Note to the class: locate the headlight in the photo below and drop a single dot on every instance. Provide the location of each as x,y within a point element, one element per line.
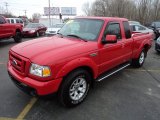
<point>32,31</point>
<point>41,71</point>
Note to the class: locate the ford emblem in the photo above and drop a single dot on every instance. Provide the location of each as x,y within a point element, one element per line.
<point>14,62</point>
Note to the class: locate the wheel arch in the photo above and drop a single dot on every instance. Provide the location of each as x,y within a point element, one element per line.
<point>146,48</point>
<point>18,30</point>
<point>80,63</point>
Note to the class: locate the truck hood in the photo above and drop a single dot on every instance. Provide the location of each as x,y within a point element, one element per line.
<point>49,49</point>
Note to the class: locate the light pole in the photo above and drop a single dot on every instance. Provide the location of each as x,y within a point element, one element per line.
<point>6,4</point>
<point>25,12</point>
<point>49,13</point>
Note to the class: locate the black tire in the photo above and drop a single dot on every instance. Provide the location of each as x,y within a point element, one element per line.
<point>70,87</point>
<point>140,60</point>
<point>18,37</point>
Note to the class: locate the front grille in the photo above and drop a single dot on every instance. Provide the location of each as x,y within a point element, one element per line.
<point>17,62</point>
<point>52,31</point>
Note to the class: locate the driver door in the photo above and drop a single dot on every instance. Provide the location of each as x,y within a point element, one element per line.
<point>111,54</point>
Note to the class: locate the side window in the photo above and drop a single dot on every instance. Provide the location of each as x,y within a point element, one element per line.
<point>138,28</point>
<point>127,29</point>
<point>113,29</point>
<point>12,21</point>
<point>21,21</point>
<point>141,28</point>
<point>2,21</point>
<point>8,21</point>
<point>17,21</point>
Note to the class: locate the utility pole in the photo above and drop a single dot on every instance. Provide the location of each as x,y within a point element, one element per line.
<point>49,13</point>
<point>25,12</point>
<point>6,4</point>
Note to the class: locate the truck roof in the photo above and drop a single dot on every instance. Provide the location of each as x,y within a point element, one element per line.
<point>106,18</point>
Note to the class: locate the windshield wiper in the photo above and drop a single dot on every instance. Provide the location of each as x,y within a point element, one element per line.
<point>72,35</point>
<point>60,34</point>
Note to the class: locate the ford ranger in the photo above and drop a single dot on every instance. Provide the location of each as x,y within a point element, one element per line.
<point>8,30</point>
<point>86,49</point>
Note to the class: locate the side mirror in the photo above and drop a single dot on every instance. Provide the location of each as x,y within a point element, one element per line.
<point>110,39</point>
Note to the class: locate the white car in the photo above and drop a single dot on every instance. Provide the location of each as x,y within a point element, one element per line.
<point>141,29</point>
<point>15,20</point>
<point>54,29</point>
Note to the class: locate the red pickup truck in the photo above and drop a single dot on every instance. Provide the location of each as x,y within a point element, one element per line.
<point>84,51</point>
<point>8,30</point>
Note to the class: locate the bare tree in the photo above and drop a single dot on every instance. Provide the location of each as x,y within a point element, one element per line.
<point>2,10</point>
<point>98,8</point>
<point>156,9</point>
<point>36,15</point>
<point>86,8</point>
<point>144,11</point>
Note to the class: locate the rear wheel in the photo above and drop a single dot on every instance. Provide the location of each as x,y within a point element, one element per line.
<point>140,60</point>
<point>18,37</point>
<point>75,88</point>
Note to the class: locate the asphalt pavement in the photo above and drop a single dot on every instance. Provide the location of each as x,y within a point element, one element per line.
<point>131,94</point>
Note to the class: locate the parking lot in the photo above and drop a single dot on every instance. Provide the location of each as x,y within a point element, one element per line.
<point>132,94</point>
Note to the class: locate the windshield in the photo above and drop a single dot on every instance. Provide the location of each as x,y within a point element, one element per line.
<point>32,26</point>
<point>87,29</point>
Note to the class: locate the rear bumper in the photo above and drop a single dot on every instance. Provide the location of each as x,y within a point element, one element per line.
<point>32,86</point>
<point>50,34</point>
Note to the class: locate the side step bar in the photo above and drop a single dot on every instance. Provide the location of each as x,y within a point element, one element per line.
<point>111,72</point>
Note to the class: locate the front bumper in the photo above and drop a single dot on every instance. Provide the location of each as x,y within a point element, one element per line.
<point>29,34</point>
<point>32,86</point>
<point>157,46</point>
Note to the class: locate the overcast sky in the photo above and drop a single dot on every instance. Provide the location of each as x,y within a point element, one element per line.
<point>17,7</point>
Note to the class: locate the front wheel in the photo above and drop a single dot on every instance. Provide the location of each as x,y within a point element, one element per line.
<point>18,37</point>
<point>140,60</point>
<point>75,88</point>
